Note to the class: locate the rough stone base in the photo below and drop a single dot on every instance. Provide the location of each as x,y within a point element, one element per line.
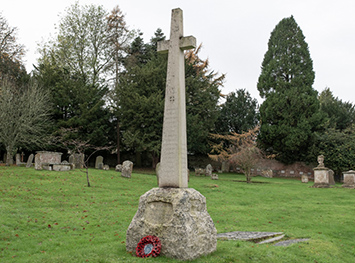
<point>179,218</point>
<point>320,185</point>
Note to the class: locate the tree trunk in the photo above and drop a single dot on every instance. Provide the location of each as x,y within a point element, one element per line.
<point>118,143</point>
<point>9,156</point>
<point>248,177</point>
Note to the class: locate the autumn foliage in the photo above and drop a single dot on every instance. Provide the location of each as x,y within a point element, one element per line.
<point>237,149</point>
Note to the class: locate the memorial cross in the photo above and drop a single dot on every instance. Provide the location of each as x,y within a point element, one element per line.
<point>173,164</point>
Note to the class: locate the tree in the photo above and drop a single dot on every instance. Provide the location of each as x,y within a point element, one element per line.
<point>338,148</point>
<point>66,138</point>
<point>24,116</point>
<point>78,67</point>
<point>140,99</point>
<point>290,113</point>
<point>119,39</point>
<point>238,149</point>
<point>11,54</point>
<point>83,42</point>
<point>142,92</point>
<point>339,114</point>
<point>202,95</point>
<point>238,113</point>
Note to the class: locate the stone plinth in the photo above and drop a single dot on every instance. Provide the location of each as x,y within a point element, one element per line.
<point>178,217</point>
<point>349,179</point>
<point>321,177</point>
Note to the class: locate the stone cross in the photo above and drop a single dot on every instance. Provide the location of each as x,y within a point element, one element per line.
<point>173,164</point>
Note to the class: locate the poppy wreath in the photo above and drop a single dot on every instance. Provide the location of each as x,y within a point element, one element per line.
<point>148,246</point>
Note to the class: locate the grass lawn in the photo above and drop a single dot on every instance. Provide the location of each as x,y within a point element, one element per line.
<point>49,216</point>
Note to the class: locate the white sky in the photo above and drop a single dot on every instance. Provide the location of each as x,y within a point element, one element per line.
<point>234,33</point>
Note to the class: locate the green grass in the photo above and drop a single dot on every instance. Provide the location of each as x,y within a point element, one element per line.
<point>54,217</point>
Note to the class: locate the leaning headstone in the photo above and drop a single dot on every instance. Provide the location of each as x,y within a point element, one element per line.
<point>209,170</point>
<point>173,212</point>
<point>99,163</point>
<point>118,168</point>
<point>349,179</point>
<point>29,161</point>
<point>321,174</point>
<point>127,167</point>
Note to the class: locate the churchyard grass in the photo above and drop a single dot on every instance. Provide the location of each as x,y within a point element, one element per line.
<point>49,216</point>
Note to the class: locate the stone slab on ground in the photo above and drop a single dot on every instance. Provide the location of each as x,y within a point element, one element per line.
<point>247,236</point>
<point>286,243</point>
<point>271,240</point>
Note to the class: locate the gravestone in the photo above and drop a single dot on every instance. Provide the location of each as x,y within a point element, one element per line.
<point>321,174</point>
<point>77,159</point>
<point>349,179</point>
<point>304,177</point>
<point>199,171</point>
<point>127,167</point>
<point>174,213</point>
<point>99,163</point>
<point>29,161</point>
<point>214,176</point>
<point>225,167</point>
<point>106,167</point>
<point>209,170</point>
<point>18,159</point>
<point>118,168</point>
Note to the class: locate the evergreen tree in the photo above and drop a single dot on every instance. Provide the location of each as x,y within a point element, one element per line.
<point>340,115</point>
<point>141,103</point>
<point>238,113</point>
<point>290,112</point>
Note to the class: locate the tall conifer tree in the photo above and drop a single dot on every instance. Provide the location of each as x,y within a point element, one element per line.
<point>290,112</point>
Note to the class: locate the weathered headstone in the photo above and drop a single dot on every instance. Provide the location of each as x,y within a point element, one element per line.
<point>127,167</point>
<point>29,161</point>
<point>18,159</point>
<point>214,176</point>
<point>209,170</point>
<point>118,168</point>
<point>349,179</point>
<point>304,177</point>
<point>106,167</point>
<point>225,167</point>
<point>78,159</point>
<point>174,213</point>
<point>99,163</point>
<point>267,173</point>
<point>199,171</point>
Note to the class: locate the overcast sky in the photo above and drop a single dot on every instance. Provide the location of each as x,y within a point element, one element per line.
<point>234,33</point>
